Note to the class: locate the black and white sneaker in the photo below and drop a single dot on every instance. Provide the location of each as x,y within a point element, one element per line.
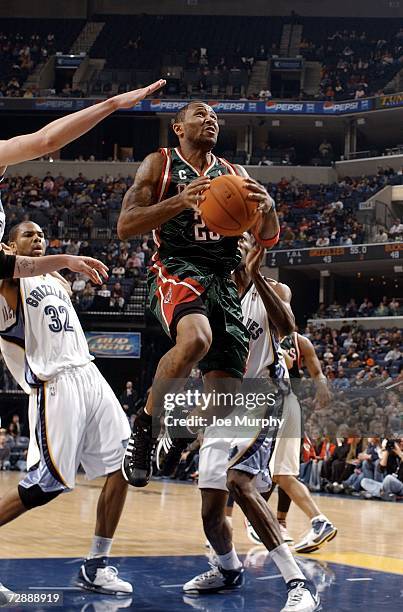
<point>6,596</point>
<point>216,580</point>
<point>302,597</point>
<point>137,460</point>
<point>96,575</point>
<point>322,531</point>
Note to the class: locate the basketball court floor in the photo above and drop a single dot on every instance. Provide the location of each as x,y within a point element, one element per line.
<point>159,545</point>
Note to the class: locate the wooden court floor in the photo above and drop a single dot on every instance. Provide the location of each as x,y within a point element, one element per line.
<point>164,519</point>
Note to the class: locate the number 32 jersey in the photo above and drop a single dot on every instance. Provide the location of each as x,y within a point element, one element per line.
<point>47,327</point>
<point>186,236</point>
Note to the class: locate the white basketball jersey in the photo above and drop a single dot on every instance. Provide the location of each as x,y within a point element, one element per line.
<point>264,349</point>
<point>54,338</point>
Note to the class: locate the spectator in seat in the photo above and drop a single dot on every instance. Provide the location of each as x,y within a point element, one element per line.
<point>87,298</point>
<point>322,241</point>
<point>391,467</point>
<point>73,247</point>
<point>369,460</point>
<point>396,230</point>
<point>5,451</point>
<point>325,148</point>
<point>351,308</point>
<point>394,306</point>
<point>102,298</point>
<point>14,428</point>
<point>128,399</point>
<point>341,383</point>
<point>383,309</point>
<point>333,467</point>
<point>393,355</point>
<point>117,300</point>
<point>118,271</point>
<point>381,236</point>
<point>78,286</point>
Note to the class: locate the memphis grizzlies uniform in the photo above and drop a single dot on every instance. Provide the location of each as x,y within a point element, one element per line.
<point>73,413</point>
<point>286,456</point>
<point>191,270</point>
<point>248,454</point>
<point>264,349</point>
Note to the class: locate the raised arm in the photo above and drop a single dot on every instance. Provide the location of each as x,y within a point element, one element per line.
<point>18,266</point>
<point>267,230</point>
<point>66,129</point>
<point>315,371</point>
<point>276,297</point>
<point>141,211</point>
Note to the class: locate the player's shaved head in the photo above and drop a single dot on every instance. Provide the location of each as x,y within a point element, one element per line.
<point>197,124</point>
<point>181,114</point>
<point>20,227</point>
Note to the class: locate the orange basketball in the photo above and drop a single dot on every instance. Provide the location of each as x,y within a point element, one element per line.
<point>226,209</point>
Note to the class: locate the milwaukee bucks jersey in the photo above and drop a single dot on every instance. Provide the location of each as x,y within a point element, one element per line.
<point>186,236</point>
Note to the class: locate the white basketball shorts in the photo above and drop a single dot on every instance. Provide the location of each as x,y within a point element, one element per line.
<point>75,418</point>
<point>285,460</point>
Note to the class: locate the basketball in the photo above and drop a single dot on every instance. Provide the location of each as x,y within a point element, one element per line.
<point>226,209</point>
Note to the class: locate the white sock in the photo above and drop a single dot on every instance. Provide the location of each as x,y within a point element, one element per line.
<point>230,561</point>
<point>320,517</point>
<point>286,563</point>
<point>229,519</point>
<point>101,547</point>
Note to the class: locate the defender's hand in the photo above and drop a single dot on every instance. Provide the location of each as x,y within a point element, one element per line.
<point>93,268</point>
<point>130,98</point>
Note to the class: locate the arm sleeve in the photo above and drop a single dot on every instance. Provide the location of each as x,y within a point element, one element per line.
<point>7,265</point>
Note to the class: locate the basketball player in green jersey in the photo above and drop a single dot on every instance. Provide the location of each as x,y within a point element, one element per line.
<point>191,291</point>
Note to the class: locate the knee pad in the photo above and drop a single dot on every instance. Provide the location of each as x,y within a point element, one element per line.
<point>32,497</point>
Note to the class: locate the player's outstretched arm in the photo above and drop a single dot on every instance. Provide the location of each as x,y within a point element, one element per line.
<point>141,211</point>
<point>267,230</point>
<point>18,266</point>
<point>314,368</point>
<point>66,129</point>
<point>276,297</point>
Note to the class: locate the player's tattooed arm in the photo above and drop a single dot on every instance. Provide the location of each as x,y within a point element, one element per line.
<point>35,266</point>
<point>141,211</point>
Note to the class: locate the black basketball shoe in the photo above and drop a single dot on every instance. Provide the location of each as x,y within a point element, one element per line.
<point>137,460</point>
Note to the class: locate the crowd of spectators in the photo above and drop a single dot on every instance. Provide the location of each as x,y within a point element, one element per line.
<point>80,215</point>
<point>362,467</point>
<point>354,63</point>
<point>325,215</point>
<point>387,307</point>
<point>19,54</point>
<point>13,446</point>
<point>355,357</point>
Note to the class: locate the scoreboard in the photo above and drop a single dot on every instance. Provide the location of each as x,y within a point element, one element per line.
<point>335,254</point>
